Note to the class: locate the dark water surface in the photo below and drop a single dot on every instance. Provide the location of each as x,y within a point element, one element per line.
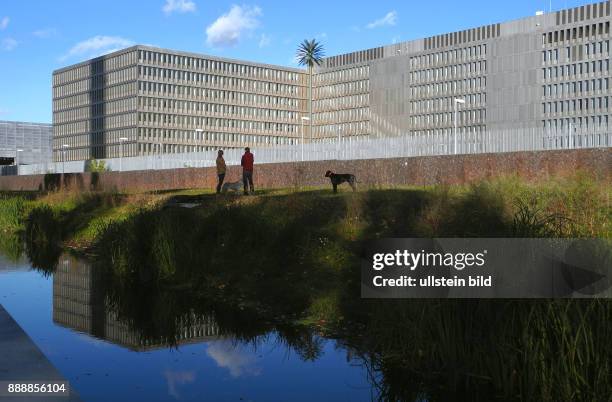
<point>106,359</point>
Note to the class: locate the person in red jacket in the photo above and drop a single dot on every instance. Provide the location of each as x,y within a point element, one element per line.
<point>247,170</point>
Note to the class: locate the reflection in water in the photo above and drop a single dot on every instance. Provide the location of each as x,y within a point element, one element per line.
<point>247,369</point>
<point>149,320</point>
<point>418,350</point>
<point>234,357</point>
<point>18,263</point>
<point>88,298</point>
<point>176,378</point>
<point>81,303</point>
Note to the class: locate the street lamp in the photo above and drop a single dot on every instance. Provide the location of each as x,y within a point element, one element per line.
<point>17,159</point>
<point>457,101</point>
<point>64,147</point>
<point>160,148</point>
<point>304,118</point>
<point>121,141</point>
<point>197,131</point>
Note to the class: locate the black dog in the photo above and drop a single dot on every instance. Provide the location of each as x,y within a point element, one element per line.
<point>337,179</point>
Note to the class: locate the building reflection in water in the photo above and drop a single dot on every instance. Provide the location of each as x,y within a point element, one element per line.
<point>20,264</point>
<point>80,304</point>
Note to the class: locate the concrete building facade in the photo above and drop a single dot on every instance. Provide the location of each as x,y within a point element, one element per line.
<point>548,71</point>
<point>25,143</point>
<point>145,100</point>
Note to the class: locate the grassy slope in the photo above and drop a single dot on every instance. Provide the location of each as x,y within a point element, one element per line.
<point>483,209</point>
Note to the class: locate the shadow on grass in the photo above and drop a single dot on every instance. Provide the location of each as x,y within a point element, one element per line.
<point>48,225</point>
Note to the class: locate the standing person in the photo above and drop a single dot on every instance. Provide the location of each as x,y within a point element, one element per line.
<point>221,169</point>
<point>247,170</point>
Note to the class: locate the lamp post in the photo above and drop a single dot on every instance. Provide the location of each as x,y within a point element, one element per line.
<point>17,159</point>
<point>196,132</point>
<point>121,141</point>
<point>304,118</point>
<point>161,153</point>
<point>64,146</point>
<point>456,102</point>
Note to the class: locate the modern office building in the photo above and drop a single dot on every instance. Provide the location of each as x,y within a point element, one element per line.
<point>25,143</point>
<point>144,100</point>
<point>548,71</point>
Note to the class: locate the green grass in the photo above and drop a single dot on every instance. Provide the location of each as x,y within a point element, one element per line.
<point>508,206</point>
<point>13,211</point>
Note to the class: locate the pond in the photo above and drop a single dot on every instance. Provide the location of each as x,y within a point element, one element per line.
<point>110,357</point>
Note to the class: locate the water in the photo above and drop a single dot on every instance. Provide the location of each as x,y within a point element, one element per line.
<point>225,330</point>
<point>106,357</point>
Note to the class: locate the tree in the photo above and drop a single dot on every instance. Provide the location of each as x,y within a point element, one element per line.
<point>310,53</point>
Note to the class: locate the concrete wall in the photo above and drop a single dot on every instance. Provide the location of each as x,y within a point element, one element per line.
<point>458,169</point>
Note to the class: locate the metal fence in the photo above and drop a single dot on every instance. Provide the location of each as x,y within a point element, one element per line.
<point>349,148</point>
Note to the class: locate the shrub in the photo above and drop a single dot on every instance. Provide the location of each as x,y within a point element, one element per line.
<point>94,165</point>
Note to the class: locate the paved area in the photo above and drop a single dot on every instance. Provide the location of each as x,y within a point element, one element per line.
<point>22,361</point>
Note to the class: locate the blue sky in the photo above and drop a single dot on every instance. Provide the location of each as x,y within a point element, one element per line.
<point>38,36</point>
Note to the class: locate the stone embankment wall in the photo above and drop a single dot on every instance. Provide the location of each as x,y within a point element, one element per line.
<point>427,170</point>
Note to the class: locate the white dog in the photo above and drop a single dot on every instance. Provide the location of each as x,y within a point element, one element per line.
<point>233,186</point>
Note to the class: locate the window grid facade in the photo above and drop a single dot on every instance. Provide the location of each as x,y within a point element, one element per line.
<point>163,101</point>
<point>437,79</point>
<point>575,74</point>
<point>341,102</point>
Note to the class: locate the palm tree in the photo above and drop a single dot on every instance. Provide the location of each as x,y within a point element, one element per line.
<point>310,53</point>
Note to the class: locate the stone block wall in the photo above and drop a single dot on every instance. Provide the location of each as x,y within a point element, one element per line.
<point>427,170</point>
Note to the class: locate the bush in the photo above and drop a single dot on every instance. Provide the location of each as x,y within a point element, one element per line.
<point>98,166</point>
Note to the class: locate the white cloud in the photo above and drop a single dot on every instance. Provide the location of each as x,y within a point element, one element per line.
<point>389,19</point>
<point>181,6</point>
<point>9,44</point>
<point>237,360</point>
<point>45,33</point>
<point>4,23</point>
<point>322,35</point>
<point>176,378</point>
<point>264,40</point>
<point>230,27</point>
<point>97,46</point>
